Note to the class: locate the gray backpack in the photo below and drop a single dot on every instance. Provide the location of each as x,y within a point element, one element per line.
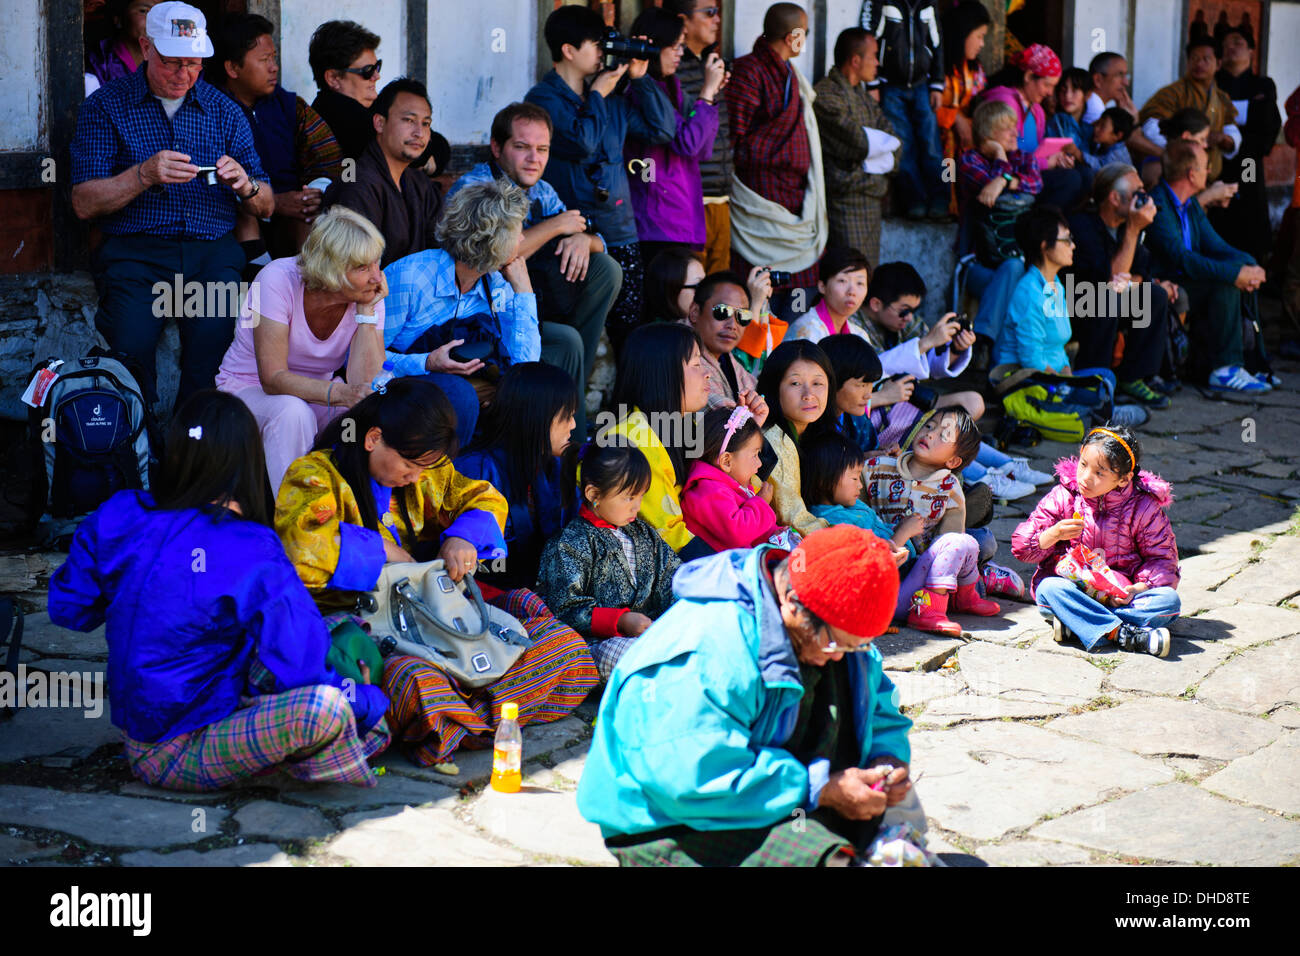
<point>92,436</point>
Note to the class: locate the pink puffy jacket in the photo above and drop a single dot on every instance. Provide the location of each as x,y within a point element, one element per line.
<point>1129,524</point>
<point>726,516</point>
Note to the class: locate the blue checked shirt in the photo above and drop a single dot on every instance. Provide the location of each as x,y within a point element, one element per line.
<point>543,201</point>
<point>122,124</point>
<point>422,293</point>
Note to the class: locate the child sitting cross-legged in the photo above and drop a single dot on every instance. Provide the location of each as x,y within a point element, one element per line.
<point>919,494</point>
<point>1105,502</point>
<point>608,574</point>
<point>718,500</point>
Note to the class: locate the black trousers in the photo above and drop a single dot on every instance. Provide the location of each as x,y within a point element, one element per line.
<point>1145,327</point>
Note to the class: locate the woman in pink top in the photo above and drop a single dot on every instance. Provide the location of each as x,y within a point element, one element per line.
<point>302,319</point>
<point>842,277</point>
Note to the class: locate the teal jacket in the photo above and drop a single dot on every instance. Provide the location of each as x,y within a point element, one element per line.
<point>861,515</point>
<point>1202,256</point>
<point>693,718</point>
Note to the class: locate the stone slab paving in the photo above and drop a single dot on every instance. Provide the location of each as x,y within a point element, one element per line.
<point>1154,825</point>
<point>392,789</point>
<point>971,707</point>
<point>37,732</point>
<point>15,848</point>
<point>1258,680</point>
<point>45,638</point>
<point>916,689</point>
<point>250,854</point>
<point>279,821</point>
<point>1028,675</point>
<point>542,821</point>
<point>1186,666</point>
<point>1034,853</point>
<point>983,780</point>
<point>1268,778</point>
<point>1161,726</point>
<point>913,650</point>
<point>1240,625</point>
<point>108,820</point>
<point>413,837</point>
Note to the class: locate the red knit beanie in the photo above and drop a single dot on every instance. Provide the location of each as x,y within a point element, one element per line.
<point>847,577</point>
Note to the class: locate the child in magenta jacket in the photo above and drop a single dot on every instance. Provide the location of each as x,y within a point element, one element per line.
<point>1106,502</point>
<point>718,500</point>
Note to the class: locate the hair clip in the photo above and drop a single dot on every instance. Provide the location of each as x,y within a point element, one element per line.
<point>739,415</point>
<point>196,431</point>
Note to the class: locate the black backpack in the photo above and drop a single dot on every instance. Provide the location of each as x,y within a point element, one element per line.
<point>91,436</point>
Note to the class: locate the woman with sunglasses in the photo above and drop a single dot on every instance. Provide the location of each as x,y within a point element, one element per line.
<point>346,69</point>
<point>1037,326</point>
<point>671,279</point>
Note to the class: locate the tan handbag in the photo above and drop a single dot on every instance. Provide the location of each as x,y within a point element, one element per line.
<point>417,609</point>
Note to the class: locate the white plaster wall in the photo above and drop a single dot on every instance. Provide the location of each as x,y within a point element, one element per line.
<point>1284,48</point>
<point>22,94</point>
<point>300,18</point>
<point>486,63</point>
<point>1157,47</point>
<point>747,24</point>
<point>1099,25</point>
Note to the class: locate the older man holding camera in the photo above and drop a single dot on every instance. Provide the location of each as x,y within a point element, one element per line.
<point>164,162</point>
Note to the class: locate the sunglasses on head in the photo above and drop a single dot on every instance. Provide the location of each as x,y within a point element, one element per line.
<point>724,313</point>
<point>368,71</point>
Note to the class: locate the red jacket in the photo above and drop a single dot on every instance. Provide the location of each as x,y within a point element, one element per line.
<point>724,514</point>
<point>1129,524</point>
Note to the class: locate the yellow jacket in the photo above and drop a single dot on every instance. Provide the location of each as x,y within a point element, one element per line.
<point>314,500</point>
<point>788,501</point>
<point>662,505</point>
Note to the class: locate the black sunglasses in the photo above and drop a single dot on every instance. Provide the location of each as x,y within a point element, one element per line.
<point>368,71</point>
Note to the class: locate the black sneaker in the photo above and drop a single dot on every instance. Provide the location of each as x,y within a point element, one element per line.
<point>1143,640</point>
<point>1060,633</point>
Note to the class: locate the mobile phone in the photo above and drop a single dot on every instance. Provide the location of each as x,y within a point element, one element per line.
<point>209,173</point>
<point>964,322</point>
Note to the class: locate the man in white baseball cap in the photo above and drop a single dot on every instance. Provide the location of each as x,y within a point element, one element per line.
<point>178,30</point>
<point>142,141</point>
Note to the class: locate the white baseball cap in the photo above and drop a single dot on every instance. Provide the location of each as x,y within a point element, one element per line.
<point>178,30</point>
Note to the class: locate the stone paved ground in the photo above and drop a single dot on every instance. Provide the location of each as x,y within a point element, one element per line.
<point>1033,753</point>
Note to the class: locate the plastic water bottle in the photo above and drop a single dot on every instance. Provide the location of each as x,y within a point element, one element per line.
<point>507,751</point>
<point>380,381</point>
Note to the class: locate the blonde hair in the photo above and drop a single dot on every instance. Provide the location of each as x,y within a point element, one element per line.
<point>478,226</point>
<point>339,241</point>
<point>989,117</point>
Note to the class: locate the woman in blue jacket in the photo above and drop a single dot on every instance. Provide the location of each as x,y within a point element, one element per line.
<point>527,427</point>
<point>216,653</point>
<point>745,731</point>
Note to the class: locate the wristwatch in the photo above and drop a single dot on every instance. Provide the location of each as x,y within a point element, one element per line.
<point>257,188</point>
<point>1008,177</point>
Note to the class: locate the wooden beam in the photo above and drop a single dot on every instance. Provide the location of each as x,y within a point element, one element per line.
<point>65,90</point>
<point>417,40</point>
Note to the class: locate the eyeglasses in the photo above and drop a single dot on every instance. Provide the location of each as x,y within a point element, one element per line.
<point>725,313</point>
<point>173,66</point>
<point>707,12</point>
<point>1067,238</point>
<point>368,71</point>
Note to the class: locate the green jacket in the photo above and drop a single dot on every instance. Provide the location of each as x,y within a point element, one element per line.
<point>691,727</point>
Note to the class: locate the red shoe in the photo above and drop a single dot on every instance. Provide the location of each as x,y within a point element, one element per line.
<point>967,600</point>
<point>929,613</point>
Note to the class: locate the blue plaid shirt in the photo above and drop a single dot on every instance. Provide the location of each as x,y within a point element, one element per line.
<point>422,293</point>
<point>122,124</point>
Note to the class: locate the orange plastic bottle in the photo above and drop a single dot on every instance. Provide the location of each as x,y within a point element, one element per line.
<point>507,751</point>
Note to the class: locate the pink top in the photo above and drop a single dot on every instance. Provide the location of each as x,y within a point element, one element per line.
<point>723,513</point>
<point>276,295</point>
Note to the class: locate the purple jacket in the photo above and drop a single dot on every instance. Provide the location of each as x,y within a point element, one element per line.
<point>1129,524</point>
<point>1011,96</point>
<point>668,197</point>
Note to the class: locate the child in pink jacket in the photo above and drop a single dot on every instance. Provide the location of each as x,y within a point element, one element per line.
<point>718,499</point>
<point>1104,501</point>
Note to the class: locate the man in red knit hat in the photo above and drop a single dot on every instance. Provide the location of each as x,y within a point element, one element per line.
<point>753,724</point>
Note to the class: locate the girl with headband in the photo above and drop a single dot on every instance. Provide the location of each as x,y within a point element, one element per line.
<point>719,501</point>
<point>1104,501</point>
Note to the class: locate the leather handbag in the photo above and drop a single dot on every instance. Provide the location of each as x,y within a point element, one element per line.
<point>417,609</point>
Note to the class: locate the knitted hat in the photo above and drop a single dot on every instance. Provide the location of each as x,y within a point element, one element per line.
<point>847,577</point>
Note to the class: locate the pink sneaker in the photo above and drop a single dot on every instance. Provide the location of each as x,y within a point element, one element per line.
<point>1000,580</point>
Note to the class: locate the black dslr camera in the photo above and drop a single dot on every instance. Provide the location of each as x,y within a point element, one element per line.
<point>779,277</point>
<point>923,397</point>
<point>619,47</point>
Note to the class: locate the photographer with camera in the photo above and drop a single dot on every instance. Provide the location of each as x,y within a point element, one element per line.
<point>1108,251</point>
<point>591,121</point>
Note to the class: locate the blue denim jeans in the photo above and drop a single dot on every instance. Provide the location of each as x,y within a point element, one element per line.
<point>920,161</point>
<point>995,297</point>
<point>1090,620</point>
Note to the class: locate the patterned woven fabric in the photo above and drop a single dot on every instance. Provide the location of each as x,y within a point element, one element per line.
<point>799,842</point>
<point>430,714</point>
<point>308,733</point>
<point>770,144</point>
